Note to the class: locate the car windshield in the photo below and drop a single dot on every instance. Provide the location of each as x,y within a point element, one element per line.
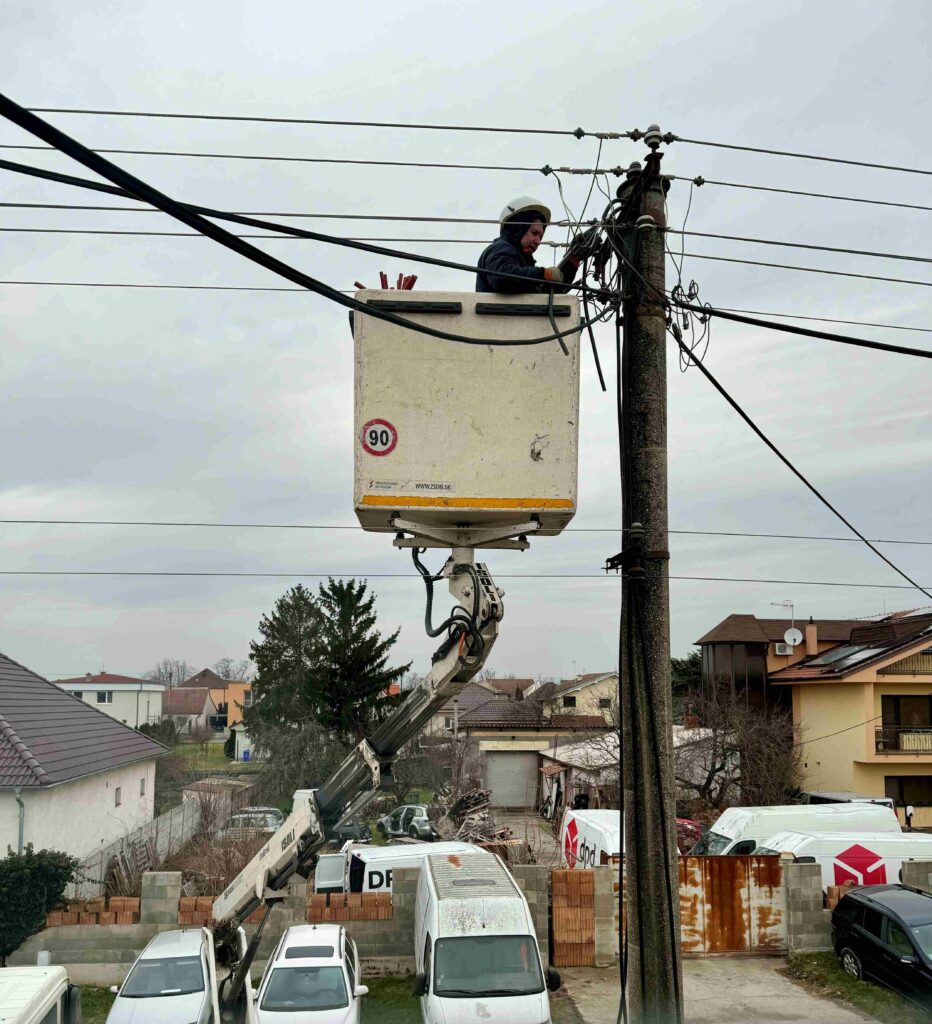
<point>711,843</point>
<point>487,965</point>
<point>922,933</point>
<point>171,976</point>
<point>305,988</point>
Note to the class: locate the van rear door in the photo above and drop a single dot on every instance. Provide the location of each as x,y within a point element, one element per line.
<point>330,873</point>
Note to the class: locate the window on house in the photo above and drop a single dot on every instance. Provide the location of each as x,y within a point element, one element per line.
<point>118,796</point>
<point>605,702</point>
<point>907,712</point>
<point>448,723</point>
<point>569,702</point>
<point>142,786</point>
<point>105,696</point>
<point>247,698</point>
<point>909,789</point>
<point>76,693</point>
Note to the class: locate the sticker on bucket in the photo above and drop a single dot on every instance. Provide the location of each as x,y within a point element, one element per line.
<point>379,437</point>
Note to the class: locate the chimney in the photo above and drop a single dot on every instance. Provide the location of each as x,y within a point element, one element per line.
<point>87,677</point>
<point>812,638</point>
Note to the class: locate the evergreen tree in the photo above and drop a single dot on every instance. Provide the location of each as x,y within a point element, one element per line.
<point>350,679</point>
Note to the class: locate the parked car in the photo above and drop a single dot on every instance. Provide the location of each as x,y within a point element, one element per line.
<point>884,932</point>
<point>37,995</point>
<point>353,832</point>
<point>248,823</point>
<point>312,978</point>
<point>409,820</point>
<point>168,982</point>
<point>273,813</point>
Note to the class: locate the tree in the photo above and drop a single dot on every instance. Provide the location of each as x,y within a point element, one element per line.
<point>686,679</point>
<point>229,746</point>
<point>350,678</point>
<point>238,671</point>
<point>30,885</point>
<point>300,756</point>
<point>737,755</point>
<point>163,730</point>
<point>170,671</point>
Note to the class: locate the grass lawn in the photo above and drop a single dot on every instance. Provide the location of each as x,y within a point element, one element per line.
<point>198,758</point>
<point>822,975</point>
<point>95,1004</point>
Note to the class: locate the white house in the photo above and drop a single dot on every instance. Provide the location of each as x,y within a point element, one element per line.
<point>71,777</point>
<point>130,701</point>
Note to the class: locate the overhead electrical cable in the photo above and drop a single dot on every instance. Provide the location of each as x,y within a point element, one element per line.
<point>871,164</point>
<point>199,524</point>
<point>579,133</point>
<point>827,319</point>
<point>141,190</point>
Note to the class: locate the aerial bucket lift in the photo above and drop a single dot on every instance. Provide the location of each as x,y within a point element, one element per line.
<point>458,445</point>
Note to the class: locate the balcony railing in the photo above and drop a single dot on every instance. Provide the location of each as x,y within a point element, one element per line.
<point>903,739</point>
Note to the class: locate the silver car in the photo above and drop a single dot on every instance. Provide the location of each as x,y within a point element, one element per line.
<point>410,820</point>
<point>168,982</point>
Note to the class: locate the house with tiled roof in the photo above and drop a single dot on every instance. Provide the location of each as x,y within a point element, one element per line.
<point>129,700</point>
<point>859,689</point>
<point>190,708</point>
<point>72,778</point>
<point>591,693</point>
<point>229,695</point>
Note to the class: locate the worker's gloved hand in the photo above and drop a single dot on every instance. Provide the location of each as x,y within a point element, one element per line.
<point>553,274</point>
<point>584,245</point>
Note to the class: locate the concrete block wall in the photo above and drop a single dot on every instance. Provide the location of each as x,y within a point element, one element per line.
<point>534,881</point>
<point>606,920</point>
<point>161,891</point>
<point>918,874</point>
<point>808,925</point>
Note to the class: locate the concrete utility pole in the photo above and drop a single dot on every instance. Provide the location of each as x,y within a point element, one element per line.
<point>654,980</point>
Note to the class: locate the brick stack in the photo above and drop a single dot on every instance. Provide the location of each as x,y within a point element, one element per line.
<point>835,893</point>
<point>195,910</point>
<point>352,906</point>
<point>121,910</point>
<point>573,918</point>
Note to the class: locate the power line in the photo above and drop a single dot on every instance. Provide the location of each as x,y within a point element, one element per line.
<point>670,137</point>
<point>843,339</point>
<point>298,159</point>
<point>700,180</point>
<point>803,245</point>
<point>200,524</point>
<point>827,320</point>
<point>407,576</point>
<point>579,133</point>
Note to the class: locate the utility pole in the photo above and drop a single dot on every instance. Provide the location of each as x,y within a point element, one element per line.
<point>653,976</point>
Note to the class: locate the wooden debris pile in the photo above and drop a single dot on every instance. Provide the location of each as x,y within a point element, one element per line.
<point>468,820</point>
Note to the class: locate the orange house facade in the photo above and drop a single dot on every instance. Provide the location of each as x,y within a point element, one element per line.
<point>230,695</point>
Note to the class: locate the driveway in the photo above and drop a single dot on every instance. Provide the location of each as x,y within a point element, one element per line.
<point>716,990</point>
<point>531,828</point>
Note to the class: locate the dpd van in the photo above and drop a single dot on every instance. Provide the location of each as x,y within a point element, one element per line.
<point>369,868</point>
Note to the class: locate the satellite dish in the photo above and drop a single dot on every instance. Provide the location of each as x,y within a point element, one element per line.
<point>793,637</point>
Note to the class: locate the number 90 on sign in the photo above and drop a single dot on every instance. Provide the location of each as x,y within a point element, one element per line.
<point>379,437</point>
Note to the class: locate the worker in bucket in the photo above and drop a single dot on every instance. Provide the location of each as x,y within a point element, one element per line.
<point>508,264</point>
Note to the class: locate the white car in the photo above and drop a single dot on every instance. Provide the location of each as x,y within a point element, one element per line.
<point>311,978</point>
<point>168,982</point>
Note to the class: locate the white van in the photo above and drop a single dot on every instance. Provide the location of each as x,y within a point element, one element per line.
<point>36,995</point>
<point>369,868</point>
<point>475,951</point>
<point>866,858</point>
<point>739,829</point>
<point>590,838</point>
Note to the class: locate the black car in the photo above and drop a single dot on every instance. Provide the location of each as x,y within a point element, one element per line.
<point>354,831</point>
<point>884,932</point>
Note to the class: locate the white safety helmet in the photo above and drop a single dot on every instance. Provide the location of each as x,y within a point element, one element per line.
<point>522,205</point>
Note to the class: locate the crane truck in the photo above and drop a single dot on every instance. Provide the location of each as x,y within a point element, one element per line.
<point>436,473</point>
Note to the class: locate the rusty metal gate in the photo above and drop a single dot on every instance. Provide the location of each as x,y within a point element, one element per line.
<point>732,905</point>
<point>573,918</point>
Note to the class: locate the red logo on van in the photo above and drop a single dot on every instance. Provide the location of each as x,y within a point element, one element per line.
<point>860,865</point>
<point>571,843</point>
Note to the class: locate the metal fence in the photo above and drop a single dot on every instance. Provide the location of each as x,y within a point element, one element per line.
<point>168,832</point>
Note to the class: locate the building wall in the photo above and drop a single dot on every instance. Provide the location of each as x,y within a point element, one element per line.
<point>824,710</point>
<point>81,816</point>
<point>235,698</point>
<point>587,698</point>
<point>131,706</point>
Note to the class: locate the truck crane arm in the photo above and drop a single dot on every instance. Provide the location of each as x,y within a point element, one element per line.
<point>472,630</point>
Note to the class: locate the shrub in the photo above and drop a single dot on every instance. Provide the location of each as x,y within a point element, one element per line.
<point>229,747</point>
<point>31,884</point>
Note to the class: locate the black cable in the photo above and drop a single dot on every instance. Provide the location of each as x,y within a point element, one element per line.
<point>828,320</point>
<point>34,125</point>
<point>578,132</point>
<point>357,527</point>
<point>342,161</point>
<point>700,180</point>
<point>799,156</point>
<point>805,332</point>
<point>553,322</point>
<point>588,319</point>
<point>206,211</point>
<point>789,465</point>
<point>802,245</point>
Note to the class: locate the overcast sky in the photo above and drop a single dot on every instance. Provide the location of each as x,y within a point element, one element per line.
<point>237,406</point>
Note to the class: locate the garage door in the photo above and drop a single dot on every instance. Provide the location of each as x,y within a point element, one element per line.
<point>512,777</point>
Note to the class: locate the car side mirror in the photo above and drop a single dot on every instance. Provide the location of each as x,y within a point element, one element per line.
<point>908,960</point>
<point>361,990</point>
<point>420,985</point>
<point>114,989</point>
<point>554,981</point>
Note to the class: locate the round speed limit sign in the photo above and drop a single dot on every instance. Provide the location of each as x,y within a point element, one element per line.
<point>379,437</point>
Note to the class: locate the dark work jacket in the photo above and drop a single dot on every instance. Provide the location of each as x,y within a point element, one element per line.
<point>501,258</point>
